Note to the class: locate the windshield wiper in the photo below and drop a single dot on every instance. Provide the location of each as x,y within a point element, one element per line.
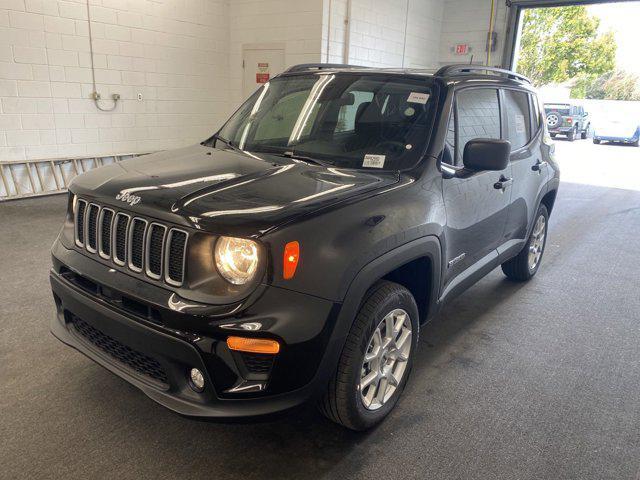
<point>228,143</point>
<point>302,158</point>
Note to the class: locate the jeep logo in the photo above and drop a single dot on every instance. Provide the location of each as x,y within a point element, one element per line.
<point>127,197</point>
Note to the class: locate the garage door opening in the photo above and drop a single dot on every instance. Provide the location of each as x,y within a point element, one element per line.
<point>583,59</point>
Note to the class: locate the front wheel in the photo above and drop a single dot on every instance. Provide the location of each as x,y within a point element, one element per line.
<point>596,141</point>
<point>525,265</point>
<point>376,359</point>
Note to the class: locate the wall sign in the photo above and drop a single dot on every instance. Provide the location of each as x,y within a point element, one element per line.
<point>262,75</point>
<point>462,49</point>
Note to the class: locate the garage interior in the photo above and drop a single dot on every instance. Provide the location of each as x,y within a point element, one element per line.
<point>537,380</point>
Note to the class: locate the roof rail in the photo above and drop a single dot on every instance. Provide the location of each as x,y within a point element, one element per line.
<point>464,68</point>
<point>319,66</point>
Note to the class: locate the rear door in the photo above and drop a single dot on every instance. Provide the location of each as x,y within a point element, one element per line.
<point>524,129</point>
<point>476,210</point>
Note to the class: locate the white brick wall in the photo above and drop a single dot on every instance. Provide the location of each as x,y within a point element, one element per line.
<point>174,52</point>
<point>378,32</point>
<point>295,23</point>
<point>185,58</point>
<point>467,22</point>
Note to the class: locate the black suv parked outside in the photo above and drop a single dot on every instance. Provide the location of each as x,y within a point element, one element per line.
<point>296,253</point>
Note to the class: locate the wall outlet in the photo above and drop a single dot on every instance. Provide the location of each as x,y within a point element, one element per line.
<point>139,96</point>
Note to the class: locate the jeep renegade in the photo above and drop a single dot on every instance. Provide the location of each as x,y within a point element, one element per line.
<point>296,253</point>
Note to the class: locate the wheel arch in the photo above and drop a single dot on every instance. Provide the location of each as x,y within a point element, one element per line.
<point>549,199</point>
<point>415,265</point>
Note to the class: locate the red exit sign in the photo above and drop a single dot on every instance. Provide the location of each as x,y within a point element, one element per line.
<point>462,49</point>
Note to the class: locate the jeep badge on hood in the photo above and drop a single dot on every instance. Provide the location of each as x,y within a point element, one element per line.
<point>127,197</point>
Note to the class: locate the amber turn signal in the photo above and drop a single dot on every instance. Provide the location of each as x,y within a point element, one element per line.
<point>253,345</point>
<point>290,259</point>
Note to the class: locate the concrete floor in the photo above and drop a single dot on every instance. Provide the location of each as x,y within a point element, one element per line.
<point>512,381</point>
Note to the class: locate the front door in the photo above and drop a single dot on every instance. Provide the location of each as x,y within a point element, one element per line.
<point>260,65</point>
<point>476,210</point>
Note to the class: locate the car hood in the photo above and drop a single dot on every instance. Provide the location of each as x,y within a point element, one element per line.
<point>224,191</point>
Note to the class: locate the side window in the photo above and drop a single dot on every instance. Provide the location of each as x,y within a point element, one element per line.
<point>535,114</point>
<point>516,105</point>
<point>478,116</point>
<point>347,113</point>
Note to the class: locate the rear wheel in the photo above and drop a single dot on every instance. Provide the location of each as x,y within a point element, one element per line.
<point>525,265</point>
<point>553,135</point>
<point>585,132</point>
<point>376,359</point>
<point>596,141</point>
<point>571,136</point>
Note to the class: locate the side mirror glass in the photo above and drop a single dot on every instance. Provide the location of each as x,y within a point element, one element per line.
<point>486,154</point>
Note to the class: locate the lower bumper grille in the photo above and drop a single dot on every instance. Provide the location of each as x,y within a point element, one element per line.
<point>131,358</point>
<point>257,362</point>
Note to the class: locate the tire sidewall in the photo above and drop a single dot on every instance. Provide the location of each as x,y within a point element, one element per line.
<point>364,416</point>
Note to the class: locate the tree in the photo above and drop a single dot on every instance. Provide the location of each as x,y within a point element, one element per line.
<point>558,44</point>
<point>610,86</point>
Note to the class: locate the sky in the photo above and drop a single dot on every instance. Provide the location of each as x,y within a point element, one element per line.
<point>624,20</point>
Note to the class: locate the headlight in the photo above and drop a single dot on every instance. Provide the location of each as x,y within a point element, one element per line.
<point>236,259</point>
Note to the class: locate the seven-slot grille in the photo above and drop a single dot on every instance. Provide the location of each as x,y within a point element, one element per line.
<point>131,241</point>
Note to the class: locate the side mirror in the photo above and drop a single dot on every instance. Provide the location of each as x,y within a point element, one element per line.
<point>486,154</point>
<point>585,114</point>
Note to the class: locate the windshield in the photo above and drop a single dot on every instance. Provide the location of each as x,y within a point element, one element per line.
<point>349,120</point>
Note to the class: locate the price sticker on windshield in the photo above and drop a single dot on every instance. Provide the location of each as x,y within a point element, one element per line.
<point>417,97</point>
<point>373,161</point>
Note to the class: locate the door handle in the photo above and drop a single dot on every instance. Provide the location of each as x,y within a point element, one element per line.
<point>503,183</point>
<point>538,166</point>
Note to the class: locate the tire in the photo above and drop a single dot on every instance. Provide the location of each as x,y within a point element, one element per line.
<point>585,133</point>
<point>553,119</point>
<point>553,135</point>
<point>636,143</point>
<point>520,268</point>
<point>343,402</point>
<point>571,136</point>
<point>596,141</point>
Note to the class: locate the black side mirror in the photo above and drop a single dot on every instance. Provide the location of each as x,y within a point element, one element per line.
<point>486,154</point>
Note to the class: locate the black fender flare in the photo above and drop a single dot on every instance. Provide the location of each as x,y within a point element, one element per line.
<point>428,246</point>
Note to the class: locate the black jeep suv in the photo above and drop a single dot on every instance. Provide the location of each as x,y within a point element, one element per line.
<point>296,253</point>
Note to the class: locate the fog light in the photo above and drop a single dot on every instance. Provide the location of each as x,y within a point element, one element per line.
<point>197,380</point>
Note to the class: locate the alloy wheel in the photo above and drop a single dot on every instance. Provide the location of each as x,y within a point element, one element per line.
<point>537,242</point>
<point>385,360</point>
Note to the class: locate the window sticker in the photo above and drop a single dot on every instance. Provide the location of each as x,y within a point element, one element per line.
<point>520,127</point>
<point>416,97</point>
<point>373,161</point>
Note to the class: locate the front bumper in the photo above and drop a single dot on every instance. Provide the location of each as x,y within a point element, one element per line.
<point>149,351</point>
